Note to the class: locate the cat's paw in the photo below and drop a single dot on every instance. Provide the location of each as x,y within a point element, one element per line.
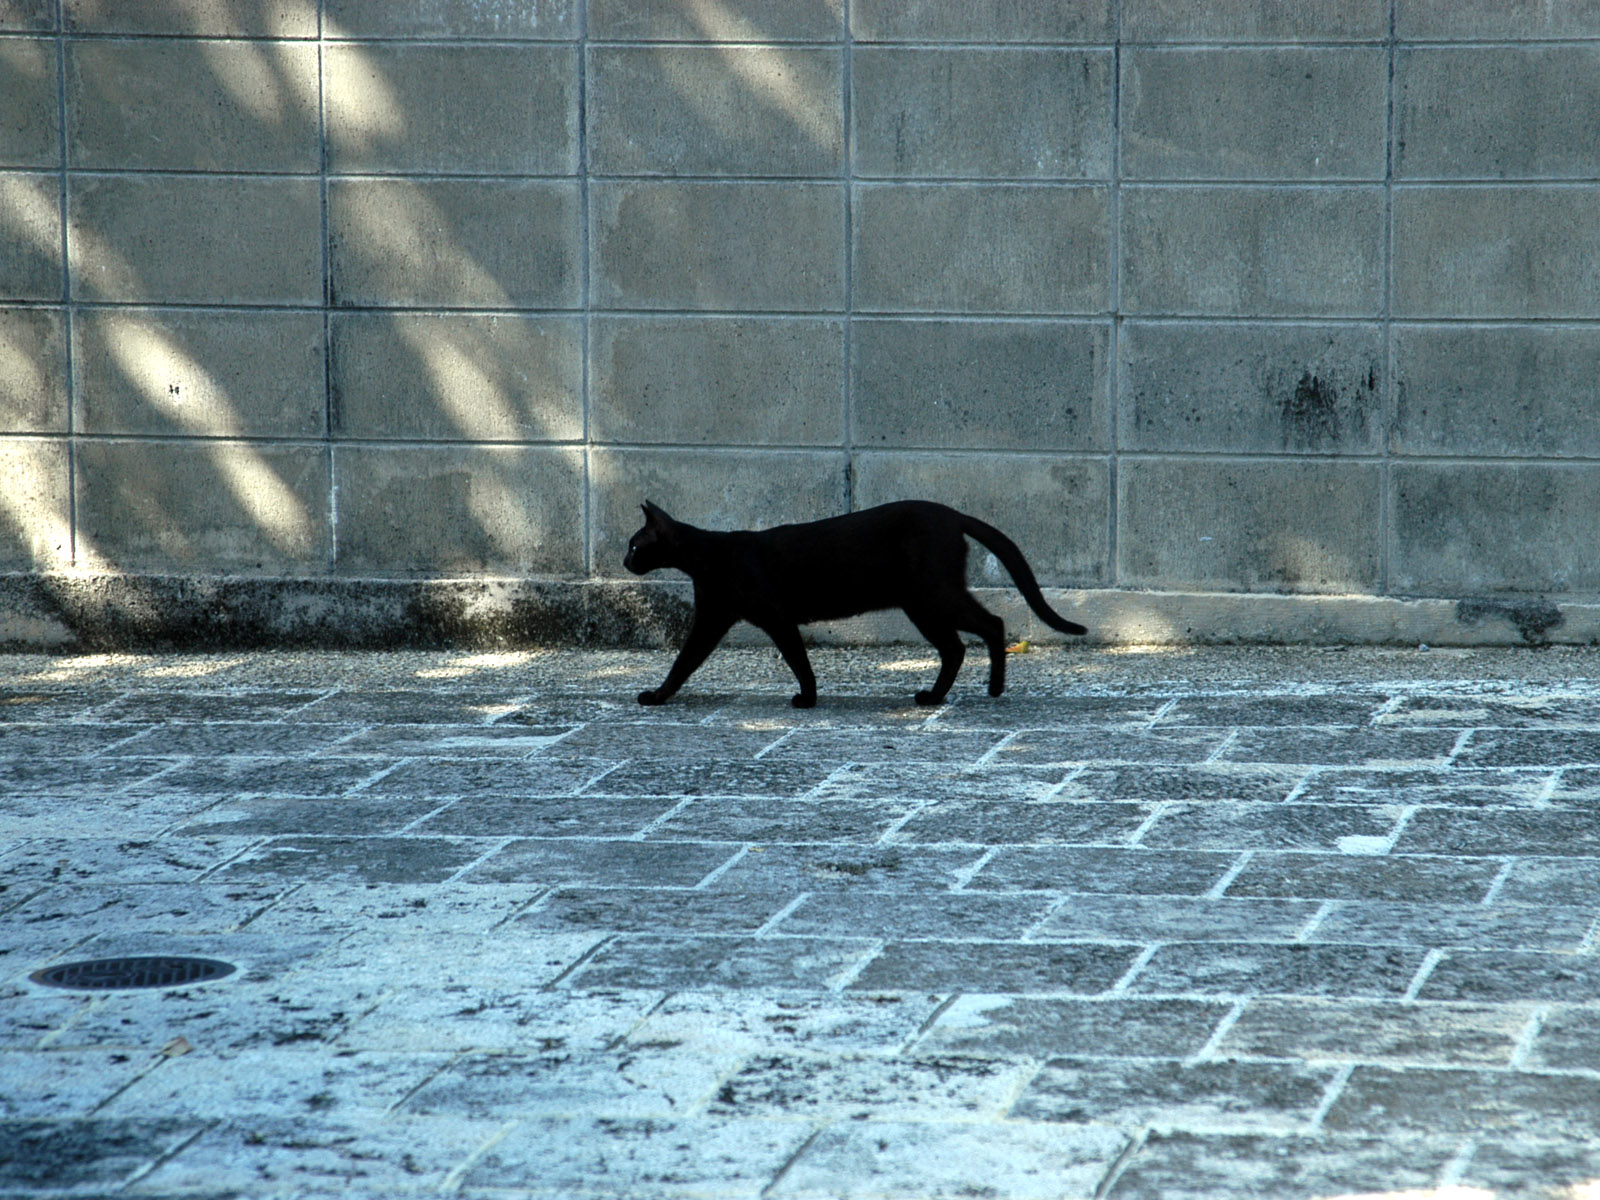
<point>654,696</point>
<point>928,699</point>
<point>804,700</point>
<point>996,689</point>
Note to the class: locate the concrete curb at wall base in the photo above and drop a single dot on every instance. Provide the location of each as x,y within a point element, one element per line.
<point>97,612</point>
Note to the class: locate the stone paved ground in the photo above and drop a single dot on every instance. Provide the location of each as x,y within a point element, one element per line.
<point>1221,924</point>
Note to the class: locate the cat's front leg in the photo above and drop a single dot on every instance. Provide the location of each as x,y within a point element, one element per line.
<point>704,635</point>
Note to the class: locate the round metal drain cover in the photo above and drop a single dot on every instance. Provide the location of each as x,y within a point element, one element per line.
<point>152,971</point>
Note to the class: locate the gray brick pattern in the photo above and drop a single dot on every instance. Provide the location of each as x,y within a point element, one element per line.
<point>500,932</point>
<point>1263,297</point>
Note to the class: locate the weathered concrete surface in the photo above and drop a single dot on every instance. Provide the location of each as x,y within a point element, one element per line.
<point>79,612</point>
<point>1282,923</point>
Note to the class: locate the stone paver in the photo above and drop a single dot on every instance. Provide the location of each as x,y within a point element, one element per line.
<point>1247,923</point>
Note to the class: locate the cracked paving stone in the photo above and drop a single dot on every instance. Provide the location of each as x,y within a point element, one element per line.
<point>842,1086</point>
<point>303,1155</point>
<point>485,1016</point>
<point>635,1080</point>
<point>850,866</point>
<point>368,859</point>
<point>919,915</point>
<point>605,863</point>
<point>68,1083</point>
<point>743,819</point>
<point>277,1082</point>
<point>637,1157</point>
<point>1447,925</point>
<point>101,860</point>
<point>648,910</point>
<point>1025,822</point>
<point>1245,969</point>
<point>1435,1100</point>
<point>1573,832</point>
<point>1105,869</point>
<point>1514,976</point>
<point>677,963</point>
<point>1365,877</point>
<point>1399,1032</point>
<point>716,777</point>
<point>1201,781</point>
<point>1188,1166</point>
<point>1207,1097</point>
<point>542,816</point>
<point>1342,746</point>
<point>1043,1027</point>
<point>785,1022</point>
<point>927,1160</point>
<point>1058,967</point>
<point>1252,826</point>
<point>86,1154</point>
<point>922,781</point>
<point>1174,918</point>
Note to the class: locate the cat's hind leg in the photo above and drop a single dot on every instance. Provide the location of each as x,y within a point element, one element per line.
<point>947,641</point>
<point>977,619</point>
<point>704,635</point>
<point>786,636</point>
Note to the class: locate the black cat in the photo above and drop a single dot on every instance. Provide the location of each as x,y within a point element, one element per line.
<point>911,555</point>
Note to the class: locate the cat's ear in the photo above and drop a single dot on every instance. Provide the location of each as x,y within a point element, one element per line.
<point>654,515</point>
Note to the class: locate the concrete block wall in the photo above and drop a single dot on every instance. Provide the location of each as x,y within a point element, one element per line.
<point>1232,299</point>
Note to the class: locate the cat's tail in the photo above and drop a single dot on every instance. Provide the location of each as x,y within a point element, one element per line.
<point>1007,552</point>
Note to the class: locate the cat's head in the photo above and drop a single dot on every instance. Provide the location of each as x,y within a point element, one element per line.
<point>655,545</point>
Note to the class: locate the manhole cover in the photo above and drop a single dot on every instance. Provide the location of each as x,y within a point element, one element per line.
<point>152,971</point>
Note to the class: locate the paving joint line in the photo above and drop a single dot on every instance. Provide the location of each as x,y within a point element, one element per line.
<point>1498,882</point>
<point>1217,889</point>
<point>498,845</point>
<point>1424,969</point>
<point>718,872</point>
<point>1214,1042</point>
<point>1331,1094</point>
<point>1529,1035</point>
<point>1140,961</point>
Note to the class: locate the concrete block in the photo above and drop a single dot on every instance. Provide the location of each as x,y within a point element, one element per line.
<point>498,510</point>
<point>213,374</point>
<point>454,243</point>
<point>35,513</point>
<point>30,237</point>
<point>172,104</point>
<point>714,489</point>
<point>33,370</point>
<point>730,21</point>
<point>1019,385</point>
<point>1248,524</point>
<point>507,20</point>
<point>715,110</point>
<point>717,380</point>
<point>774,246</point>
<point>1494,20</point>
<point>1227,251</point>
<point>1019,114</point>
<point>982,21</point>
<point>1054,507</point>
<point>1255,20</point>
<point>457,376</point>
<point>982,249</point>
<point>30,128</point>
<point>1466,529</point>
<point>1496,113</point>
<point>1312,113</point>
<point>202,507</point>
<point>1497,252</point>
<point>27,16</point>
<point>489,110</point>
<point>1497,390</point>
<point>196,239</point>
<point>1251,389</point>
<point>213,18</point>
